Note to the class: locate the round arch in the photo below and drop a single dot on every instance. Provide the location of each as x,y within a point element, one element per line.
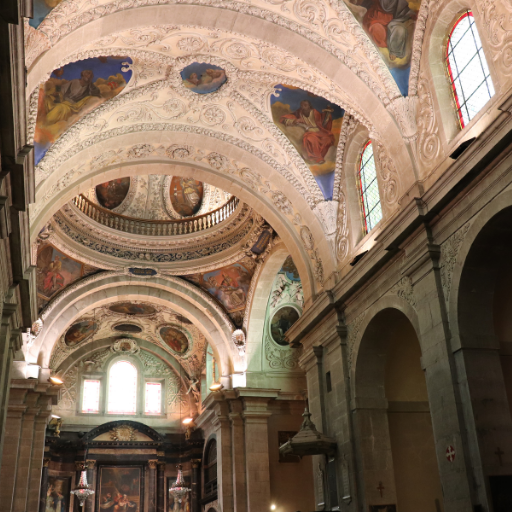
<point>260,189</point>
<point>362,91</point>
<point>102,289</point>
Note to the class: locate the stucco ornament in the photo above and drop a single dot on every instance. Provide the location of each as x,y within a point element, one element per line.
<point>123,433</point>
<point>429,144</point>
<point>390,180</point>
<point>238,338</point>
<point>125,346</point>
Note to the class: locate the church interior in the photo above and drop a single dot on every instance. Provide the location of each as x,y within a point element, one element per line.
<point>255,256</point>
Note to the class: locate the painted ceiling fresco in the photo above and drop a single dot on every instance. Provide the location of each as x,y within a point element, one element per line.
<point>174,338</point>
<point>71,92</point>
<point>112,193</point>
<point>80,332</point>
<point>186,196</point>
<point>229,285</point>
<point>133,309</point>
<point>55,271</point>
<point>390,25</point>
<point>203,78</point>
<point>313,125</point>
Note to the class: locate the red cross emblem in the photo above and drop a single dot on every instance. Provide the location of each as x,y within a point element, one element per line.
<point>450,453</point>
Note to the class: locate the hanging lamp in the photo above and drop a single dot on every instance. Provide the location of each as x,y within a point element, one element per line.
<point>178,489</point>
<point>83,491</point>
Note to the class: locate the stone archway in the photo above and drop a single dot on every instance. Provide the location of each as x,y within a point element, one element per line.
<point>395,450</point>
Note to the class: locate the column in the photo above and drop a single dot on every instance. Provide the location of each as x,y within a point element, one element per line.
<point>440,374</point>
<point>90,466</point>
<point>36,465</point>
<point>256,449</point>
<point>44,485</point>
<point>152,485</point>
<point>195,504</point>
<point>13,424</point>
<point>25,454</point>
<point>160,495</point>
<point>238,437</point>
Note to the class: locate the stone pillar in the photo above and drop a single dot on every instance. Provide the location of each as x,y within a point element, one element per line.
<point>34,485</point>
<point>25,455</point>
<point>90,466</point>
<point>195,503</point>
<point>44,485</point>
<point>440,373</point>
<point>239,462</point>
<point>160,495</point>
<point>222,429</point>
<point>13,426</point>
<point>256,452</point>
<point>152,485</point>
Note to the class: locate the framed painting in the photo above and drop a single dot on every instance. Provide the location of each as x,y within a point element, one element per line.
<point>58,494</point>
<point>174,505</point>
<point>120,489</point>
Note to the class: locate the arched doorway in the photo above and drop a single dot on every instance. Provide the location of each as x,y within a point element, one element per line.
<point>395,450</point>
<point>483,336</point>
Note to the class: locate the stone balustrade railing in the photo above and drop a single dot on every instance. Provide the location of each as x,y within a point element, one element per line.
<point>137,226</point>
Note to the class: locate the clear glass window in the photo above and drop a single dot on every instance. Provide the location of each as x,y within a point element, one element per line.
<point>467,69</point>
<point>153,402</point>
<point>122,390</point>
<point>369,189</point>
<point>91,396</point>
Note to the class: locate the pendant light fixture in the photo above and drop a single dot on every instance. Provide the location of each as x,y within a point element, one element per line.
<point>83,491</point>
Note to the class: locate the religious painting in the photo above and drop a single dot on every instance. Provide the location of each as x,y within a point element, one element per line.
<point>58,494</point>
<point>390,26</point>
<point>183,320</point>
<point>382,508</point>
<point>73,91</point>
<point>283,436</point>
<point>131,328</point>
<point>186,196</point>
<point>41,9</point>
<point>55,271</point>
<point>175,505</point>
<point>501,492</point>
<point>313,125</point>
<point>120,489</point>
<point>282,320</point>
<point>290,269</point>
<point>130,308</point>
<point>203,78</point>
<point>174,339</point>
<point>229,285</point>
<point>80,332</point>
<point>112,193</point>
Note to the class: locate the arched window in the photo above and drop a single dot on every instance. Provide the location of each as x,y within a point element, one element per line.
<point>369,189</point>
<point>467,68</point>
<point>122,388</point>
<point>210,470</point>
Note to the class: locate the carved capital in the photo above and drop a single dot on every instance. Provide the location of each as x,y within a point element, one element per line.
<point>152,463</point>
<point>90,464</point>
<point>46,462</point>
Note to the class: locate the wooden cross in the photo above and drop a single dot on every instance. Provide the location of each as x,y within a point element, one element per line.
<point>499,453</point>
<point>380,488</point>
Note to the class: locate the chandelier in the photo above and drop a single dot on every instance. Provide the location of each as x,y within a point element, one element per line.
<point>82,492</point>
<point>178,489</point>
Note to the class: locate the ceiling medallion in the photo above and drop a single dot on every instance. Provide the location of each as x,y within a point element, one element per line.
<point>203,78</point>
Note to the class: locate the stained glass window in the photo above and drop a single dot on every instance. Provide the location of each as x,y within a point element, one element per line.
<point>122,388</point>
<point>369,189</point>
<point>467,68</point>
<point>153,398</point>
<point>91,396</point>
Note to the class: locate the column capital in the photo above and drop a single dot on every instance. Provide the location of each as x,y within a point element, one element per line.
<point>90,463</point>
<point>161,465</point>
<point>79,466</point>
<point>46,462</point>
<point>196,463</point>
<point>152,463</point>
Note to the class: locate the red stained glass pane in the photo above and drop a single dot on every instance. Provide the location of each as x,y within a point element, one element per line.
<point>469,74</point>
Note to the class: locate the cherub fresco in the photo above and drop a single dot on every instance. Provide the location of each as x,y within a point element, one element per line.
<point>71,92</point>
<point>313,125</point>
<point>186,195</point>
<point>203,78</point>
